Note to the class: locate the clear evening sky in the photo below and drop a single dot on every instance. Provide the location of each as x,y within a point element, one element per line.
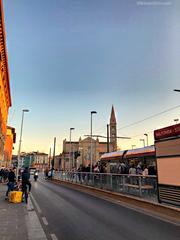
<point>68,57</point>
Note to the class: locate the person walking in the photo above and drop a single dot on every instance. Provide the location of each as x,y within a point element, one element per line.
<point>26,183</point>
<point>11,182</point>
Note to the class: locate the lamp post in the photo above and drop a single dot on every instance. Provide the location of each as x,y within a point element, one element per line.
<point>54,153</point>
<point>107,138</point>
<point>147,138</point>
<point>176,90</point>
<point>176,120</point>
<point>142,140</point>
<point>20,140</point>
<point>92,112</point>
<point>49,163</point>
<point>71,129</point>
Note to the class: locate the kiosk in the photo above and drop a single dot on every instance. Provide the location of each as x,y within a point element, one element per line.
<point>167,146</point>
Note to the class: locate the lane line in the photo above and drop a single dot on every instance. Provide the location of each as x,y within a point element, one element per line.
<point>53,236</point>
<point>45,221</point>
<point>36,204</point>
<point>34,227</point>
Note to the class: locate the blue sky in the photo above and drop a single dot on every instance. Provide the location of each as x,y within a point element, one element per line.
<point>69,57</point>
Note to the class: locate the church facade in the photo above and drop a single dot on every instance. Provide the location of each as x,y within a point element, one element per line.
<point>78,153</point>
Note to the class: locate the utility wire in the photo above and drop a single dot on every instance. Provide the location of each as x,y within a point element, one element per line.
<point>152,116</point>
<point>137,122</point>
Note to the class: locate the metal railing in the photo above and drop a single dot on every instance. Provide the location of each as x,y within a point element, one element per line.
<point>138,185</point>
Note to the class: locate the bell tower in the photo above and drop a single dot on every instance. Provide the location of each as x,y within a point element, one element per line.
<point>113,130</point>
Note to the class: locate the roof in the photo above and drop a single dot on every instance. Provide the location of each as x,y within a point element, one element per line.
<point>150,150</point>
<point>4,49</point>
<point>113,117</point>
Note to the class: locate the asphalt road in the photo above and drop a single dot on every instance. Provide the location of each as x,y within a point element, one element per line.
<point>72,215</point>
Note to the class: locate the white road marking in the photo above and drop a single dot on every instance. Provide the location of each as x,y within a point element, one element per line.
<point>53,236</point>
<point>30,206</point>
<point>34,227</point>
<point>45,221</point>
<point>36,204</point>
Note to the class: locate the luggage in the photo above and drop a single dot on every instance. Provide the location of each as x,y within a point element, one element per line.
<point>15,196</point>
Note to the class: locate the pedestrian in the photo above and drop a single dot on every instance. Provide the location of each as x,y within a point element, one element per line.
<point>26,182</point>
<point>132,170</point>
<point>145,174</point>
<point>1,174</point>
<point>11,182</point>
<point>145,171</point>
<point>122,168</point>
<point>46,173</point>
<point>139,170</point>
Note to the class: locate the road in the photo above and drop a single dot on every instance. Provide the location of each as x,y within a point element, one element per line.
<point>72,215</point>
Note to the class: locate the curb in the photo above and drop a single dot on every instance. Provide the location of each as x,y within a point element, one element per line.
<point>34,227</point>
<point>166,212</point>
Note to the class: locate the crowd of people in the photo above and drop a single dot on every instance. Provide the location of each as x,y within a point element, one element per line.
<point>121,168</point>
<point>22,183</point>
<point>4,172</point>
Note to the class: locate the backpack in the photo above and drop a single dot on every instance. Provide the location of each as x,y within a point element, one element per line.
<point>25,177</point>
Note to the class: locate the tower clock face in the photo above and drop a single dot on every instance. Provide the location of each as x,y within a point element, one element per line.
<point>113,131</point>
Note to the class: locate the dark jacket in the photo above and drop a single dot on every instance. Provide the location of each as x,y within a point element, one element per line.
<point>25,176</point>
<point>11,177</point>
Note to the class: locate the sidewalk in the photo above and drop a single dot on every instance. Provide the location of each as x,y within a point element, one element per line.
<point>18,221</point>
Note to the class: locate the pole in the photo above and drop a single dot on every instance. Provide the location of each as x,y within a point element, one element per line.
<point>70,151</point>
<point>70,160</point>
<point>54,150</point>
<point>92,112</point>
<point>133,146</point>
<point>20,140</point>
<point>108,138</point>
<point>91,145</point>
<point>49,165</point>
<point>144,142</point>
<point>147,138</point>
<point>72,155</point>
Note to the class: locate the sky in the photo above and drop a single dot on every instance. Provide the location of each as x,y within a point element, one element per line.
<point>69,57</point>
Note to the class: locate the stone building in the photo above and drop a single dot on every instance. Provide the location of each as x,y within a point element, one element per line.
<point>80,152</point>
<point>57,162</point>
<point>41,161</point>
<point>5,95</point>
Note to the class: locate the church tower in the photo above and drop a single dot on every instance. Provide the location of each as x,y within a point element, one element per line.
<point>113,130</point>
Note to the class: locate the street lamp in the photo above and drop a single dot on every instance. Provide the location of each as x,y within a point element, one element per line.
<point>142,140</point>
<point>92,112</point>
<point>147,138</point>
<point>133,146</point>
<point>176,90</point>
<point>176,120</point>
<point>20,140</point>
<point>71,129</point>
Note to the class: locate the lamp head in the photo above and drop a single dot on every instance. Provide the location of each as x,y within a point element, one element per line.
<point>25,110</point>
<point>93,112</point>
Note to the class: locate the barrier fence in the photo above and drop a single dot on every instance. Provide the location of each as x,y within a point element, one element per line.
<point>138,185</point>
